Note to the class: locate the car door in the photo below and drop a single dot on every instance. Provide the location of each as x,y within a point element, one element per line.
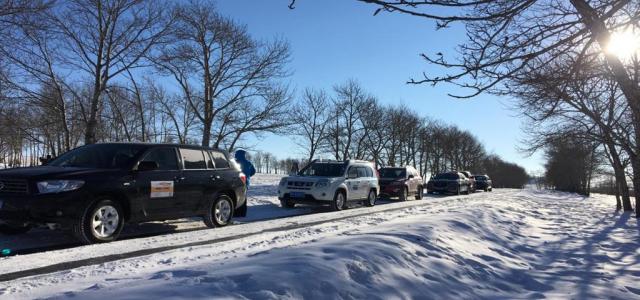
<point>353,183</point>
<point>363,176</point>
<point>156,189</point>
<point>195,179</point>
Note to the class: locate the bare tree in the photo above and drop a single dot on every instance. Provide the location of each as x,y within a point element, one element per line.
<point>218,65</point>
<point>105,38</point>
<point>311,116</point>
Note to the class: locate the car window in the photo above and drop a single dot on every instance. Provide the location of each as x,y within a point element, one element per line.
<point>369,172</point>
<point>393,173</point>
<point>353,172</point>
<point>207,156</point>
<point>164,157</point>
<point>219,160</point>
<point>362,172</point>
<point>193,159</point>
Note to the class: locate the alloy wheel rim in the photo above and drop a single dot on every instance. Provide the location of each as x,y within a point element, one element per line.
<point>340,200</point>
<point>105,221</point>
<point>222,211</point>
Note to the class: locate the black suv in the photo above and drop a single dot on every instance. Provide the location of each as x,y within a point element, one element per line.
<point>483,182</point>
<point>94,189</point>
<point>450,182</point>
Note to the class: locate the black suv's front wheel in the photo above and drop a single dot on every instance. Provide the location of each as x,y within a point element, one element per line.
<point>101,222</point>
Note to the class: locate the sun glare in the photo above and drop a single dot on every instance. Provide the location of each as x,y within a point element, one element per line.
<point>624,43</point>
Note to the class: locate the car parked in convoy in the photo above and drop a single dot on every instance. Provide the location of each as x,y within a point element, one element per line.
<point>449,182</point>
<point>400,182</point>
<point>483,182</point>
<point>472,181</point>
<point>95,189</point>
<point>334,183</point>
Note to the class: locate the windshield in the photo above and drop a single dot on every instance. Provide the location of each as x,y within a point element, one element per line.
<point>100,156</point>
<point>447,176</point>
<point>393,173</point>
<point>481,178</point>
<point>323,169</point>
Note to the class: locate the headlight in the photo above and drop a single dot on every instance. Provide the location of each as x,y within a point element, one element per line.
<point>283,181</point>
<point>57,186</point>
<point>323,183</point>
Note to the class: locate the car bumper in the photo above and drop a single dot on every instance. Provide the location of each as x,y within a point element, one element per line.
<point>62,208</point>
<point>390,191</point>
<point>443,189</point>
<point>306,199</point>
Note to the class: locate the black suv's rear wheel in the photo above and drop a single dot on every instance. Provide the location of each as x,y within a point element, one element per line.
<point>220,212</point>
<point>101,222</point>
<point>13,229</point>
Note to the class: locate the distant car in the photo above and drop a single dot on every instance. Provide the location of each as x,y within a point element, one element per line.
<point>334,183</point>
<point>472,180</point>
<point>94,189</point>
<point>401,182</point>
<point>483,182</point>
<point>450,182</point>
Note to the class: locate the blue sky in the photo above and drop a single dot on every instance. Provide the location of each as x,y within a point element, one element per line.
<point>335,40</point>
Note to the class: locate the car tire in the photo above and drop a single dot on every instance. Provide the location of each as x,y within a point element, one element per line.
<point>404,195</point>
<point>419,193</point>
<point>458,191</point>
<point>287,203</point>
<point>339,201</point>
<point>8,229</point>
<point>220,212</point>
<point>101,222</point>
<point>371,199</point>
<point>490,189</point>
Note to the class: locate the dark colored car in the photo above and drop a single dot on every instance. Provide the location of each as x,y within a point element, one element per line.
<point>400,182</point>
<point>472,180</point>
<point>483,182</point>
<point>94,189</point>
<point>450,182</point>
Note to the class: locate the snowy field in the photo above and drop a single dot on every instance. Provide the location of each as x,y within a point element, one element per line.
<point>506,244</point>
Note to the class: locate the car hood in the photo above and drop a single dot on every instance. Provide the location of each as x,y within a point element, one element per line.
<point>50,172</point>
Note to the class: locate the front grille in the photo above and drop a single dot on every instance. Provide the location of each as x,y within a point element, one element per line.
<point>14,186</point>
<point>299,185</point>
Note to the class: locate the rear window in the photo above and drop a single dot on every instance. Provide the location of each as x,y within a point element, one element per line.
<point>393,173</point>
<point>193,159</point>
<point>219,160</point>
<point>447,176</point>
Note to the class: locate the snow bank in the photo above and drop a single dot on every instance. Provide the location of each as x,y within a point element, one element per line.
<point>507,244</point>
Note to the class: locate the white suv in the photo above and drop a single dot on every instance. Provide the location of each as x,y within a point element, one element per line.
<point>331,182</point>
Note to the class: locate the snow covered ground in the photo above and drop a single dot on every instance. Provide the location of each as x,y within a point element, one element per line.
<point>505,244</point>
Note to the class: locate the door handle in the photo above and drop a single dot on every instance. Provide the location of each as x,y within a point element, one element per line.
<point>179,178</point>
<point>214,177</point>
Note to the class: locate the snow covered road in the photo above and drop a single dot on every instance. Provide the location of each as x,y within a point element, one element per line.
<point>505,244</point>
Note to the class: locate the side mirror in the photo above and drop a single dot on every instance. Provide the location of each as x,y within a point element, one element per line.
<point>148,166</point>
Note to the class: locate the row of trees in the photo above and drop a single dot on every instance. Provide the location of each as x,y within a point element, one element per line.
<point>553,57</point>
<point>77,72</point>
<point>348,123</point>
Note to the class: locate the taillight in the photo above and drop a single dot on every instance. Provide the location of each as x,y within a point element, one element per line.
<point>243,178</point>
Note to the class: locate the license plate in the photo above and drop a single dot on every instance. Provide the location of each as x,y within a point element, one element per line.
<point>296,195</point>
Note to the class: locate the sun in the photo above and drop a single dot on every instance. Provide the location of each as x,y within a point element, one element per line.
<point>624,43</point>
